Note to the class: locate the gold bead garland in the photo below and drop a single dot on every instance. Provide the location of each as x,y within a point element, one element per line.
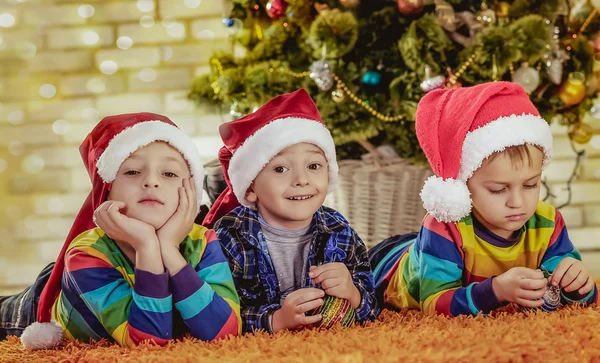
<point>342,86</point>
<point>588,20</point>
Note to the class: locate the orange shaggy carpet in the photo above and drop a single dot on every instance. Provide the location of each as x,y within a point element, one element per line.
<point>569,334</point>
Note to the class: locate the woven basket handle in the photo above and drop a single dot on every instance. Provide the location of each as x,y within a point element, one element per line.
<point>377,159</point>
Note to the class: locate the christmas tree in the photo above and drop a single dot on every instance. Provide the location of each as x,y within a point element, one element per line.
<point>367,63</point>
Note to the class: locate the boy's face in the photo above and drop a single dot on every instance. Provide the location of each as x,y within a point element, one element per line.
<point>148,183</point>
<point>291,187</point>
<point>505,193</point>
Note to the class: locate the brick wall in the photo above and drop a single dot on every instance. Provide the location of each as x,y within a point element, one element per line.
<point>42,181</point>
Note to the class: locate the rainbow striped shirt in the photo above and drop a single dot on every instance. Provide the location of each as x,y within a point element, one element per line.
<point>104,296</point>
<point>448,269</point>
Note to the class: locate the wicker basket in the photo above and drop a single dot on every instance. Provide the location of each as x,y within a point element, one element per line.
<point>380,201</point>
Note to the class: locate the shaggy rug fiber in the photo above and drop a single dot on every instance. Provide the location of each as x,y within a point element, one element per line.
<point>568,334</point>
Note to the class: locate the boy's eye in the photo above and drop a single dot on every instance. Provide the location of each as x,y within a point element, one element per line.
<point>168,174</point>
<point>498,191</point>
<point>280,169</point>
<point>132,172</point>
<point>530,186</point>
<point>314,166</point>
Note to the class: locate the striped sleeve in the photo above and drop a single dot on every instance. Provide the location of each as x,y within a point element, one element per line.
<point>129,314</point>
<point>206,296</point>
<point>439,264</point>
<point>560,246</point>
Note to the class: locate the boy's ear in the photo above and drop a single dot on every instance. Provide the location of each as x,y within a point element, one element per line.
<point>251,195</point>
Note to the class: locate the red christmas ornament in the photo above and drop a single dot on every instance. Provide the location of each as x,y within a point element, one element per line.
<point>276,8</point>
<point>409,7</point>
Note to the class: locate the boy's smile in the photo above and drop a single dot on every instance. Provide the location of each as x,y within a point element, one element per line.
<point>291,187</point>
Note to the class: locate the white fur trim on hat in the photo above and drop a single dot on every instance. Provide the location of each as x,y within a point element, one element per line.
<point>450,200</point>
<point>502,133</point>
<point>141,134</point>
<point>256,152</point>
<point>446,200</point>
<point>42,335</point>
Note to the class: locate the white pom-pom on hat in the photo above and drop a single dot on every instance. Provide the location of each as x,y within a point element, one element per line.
<point>42,335</point>
<point>446,200</point>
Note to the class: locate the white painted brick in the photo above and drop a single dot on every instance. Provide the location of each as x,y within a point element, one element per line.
<point>573,216</point>
<point>80,180</point>
<point>8,108</point>
<point>165,79</point>
<point>47,251</point>
<point>585,238</point>
<point>592,215</point>
<point>20,274</point>
<point>209,124</point>
<point>562,148</point>
<point>582,192</point>
<point>10,40</point>
<point>50,111</point>
<point>59,204</point>
<point>130,58</point>
<point>186,122</point>
<point>591,169</point>
<point>53,15</point>
<point>558,129</point>
<point>177,101</point>
<point>79,85</point>
<point>118,12</point>
<point>214,26</point>
<point>591,259</point>
<point>29,134</point>
<point>155,34</point>
<point>208,146</point>
<point>202,70</point>
<point>177,9</point>
<point>130,102</point>
<point>78,132</point>
<point>48,181</point>
<point>560,170</point>
<point>44,228</point>
<point>60,61</point>
<point>195,54</point>
<point>62,38</point>
<point>59,156</point>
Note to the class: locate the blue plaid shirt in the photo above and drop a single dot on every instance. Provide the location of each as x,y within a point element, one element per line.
<point>254,274</point>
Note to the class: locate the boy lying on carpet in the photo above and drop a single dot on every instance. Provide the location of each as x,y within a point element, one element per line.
<point>285,249</point>
<point>487,237</point>
<point>147,271</point>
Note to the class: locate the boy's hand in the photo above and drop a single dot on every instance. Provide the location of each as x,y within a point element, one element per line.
<point>291,314</point>
<point>336,280</point>
<point>571,274</point>
<point>118,226</point>
<point>521,285</point>
<point>174,231</point>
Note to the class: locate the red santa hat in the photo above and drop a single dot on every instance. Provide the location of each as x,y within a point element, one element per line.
<point>459,128</point>
<point>252,141</point>
<point>103,151</point>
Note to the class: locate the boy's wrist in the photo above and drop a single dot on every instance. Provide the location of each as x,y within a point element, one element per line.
<point>356,298</point>
<point>496,289</point>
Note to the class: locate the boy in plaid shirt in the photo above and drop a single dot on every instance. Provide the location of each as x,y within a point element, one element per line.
<point>285,249</point>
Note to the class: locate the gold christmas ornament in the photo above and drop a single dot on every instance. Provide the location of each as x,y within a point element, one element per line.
<point>338,95</point>
<point>573,90</point>
<point>502,9</point>
<point>581,133</point>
